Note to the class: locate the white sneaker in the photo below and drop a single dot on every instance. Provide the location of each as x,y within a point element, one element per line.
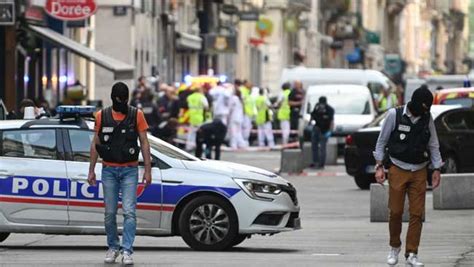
<point>412,260</point>
<point>127,258</point>
<point>111,255</point>
<point>392,257</point>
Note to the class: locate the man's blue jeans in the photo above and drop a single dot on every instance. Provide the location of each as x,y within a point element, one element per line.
<point>318,146</point>
<point>114,181</point>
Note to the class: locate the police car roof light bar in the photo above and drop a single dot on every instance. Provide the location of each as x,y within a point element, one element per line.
<point>75,112</point>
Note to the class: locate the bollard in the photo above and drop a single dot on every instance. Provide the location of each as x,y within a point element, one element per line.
<point>291,161</point>
<point>379,204</point>
<point>454,192</point>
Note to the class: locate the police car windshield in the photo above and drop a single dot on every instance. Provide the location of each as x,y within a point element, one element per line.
<point>169,150</point>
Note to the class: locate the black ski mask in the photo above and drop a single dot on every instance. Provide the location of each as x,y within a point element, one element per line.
<point>120,97</point>
<point>421,101</point>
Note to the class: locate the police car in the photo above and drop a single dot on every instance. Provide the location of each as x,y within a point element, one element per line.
<point>212,205</point>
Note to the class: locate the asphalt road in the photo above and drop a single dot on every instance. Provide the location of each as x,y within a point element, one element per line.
<point>336,232</point>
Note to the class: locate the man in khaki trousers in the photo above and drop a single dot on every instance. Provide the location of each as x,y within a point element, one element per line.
<point>410,136</point>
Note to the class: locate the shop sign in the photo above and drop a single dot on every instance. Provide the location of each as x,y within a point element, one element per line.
<point>71,9</point>
<point>220,43</point>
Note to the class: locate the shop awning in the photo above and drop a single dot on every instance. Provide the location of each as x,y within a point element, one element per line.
<point>186,41</point>
<point>121,70</point>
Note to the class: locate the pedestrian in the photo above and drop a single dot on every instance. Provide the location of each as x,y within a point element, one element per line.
<point>168,104</point>
<point>136,99</point>
<point>250,110</point>
<point>220,101</point>
<point>387,101</point>
<point>211,134</point>
<point>150,110</point>
<point>410,136</point>
<point>141,85</point>
<point>284,112</point>
<point>264,120</point>
<point>236,120</point>
<point>197,105</point>
<point>117,129</point>
<point>323,116</point>
<point>295,100</point>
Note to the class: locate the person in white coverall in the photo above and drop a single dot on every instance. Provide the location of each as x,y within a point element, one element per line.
<point>221,102</point>
<point>236,119</point>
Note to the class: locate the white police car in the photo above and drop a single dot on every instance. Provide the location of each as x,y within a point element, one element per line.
<point>212,205</point>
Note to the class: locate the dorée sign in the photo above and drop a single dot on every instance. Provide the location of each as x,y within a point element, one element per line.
<point>71,9</point>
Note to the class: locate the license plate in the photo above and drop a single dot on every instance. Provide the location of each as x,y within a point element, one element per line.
<point>297,223</point>
<point>370,169</point>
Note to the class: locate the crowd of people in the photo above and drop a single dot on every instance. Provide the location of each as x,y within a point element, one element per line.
<point>212,114</point>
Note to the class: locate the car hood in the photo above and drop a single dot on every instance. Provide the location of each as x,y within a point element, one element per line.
<point>351,123</point>
<point>235,170</point>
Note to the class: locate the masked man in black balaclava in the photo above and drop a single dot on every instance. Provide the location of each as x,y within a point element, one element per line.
<point>410,136</point>
<point>117,129</point>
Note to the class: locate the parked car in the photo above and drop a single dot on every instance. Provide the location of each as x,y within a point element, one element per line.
<point>43,189</point>
<point>352,104</point>
<point>455,128</point>
<point>455,96</point>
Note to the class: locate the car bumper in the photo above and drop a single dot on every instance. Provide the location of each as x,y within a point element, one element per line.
<point>266,217</point>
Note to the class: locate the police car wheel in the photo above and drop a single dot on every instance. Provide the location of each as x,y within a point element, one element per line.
<point>3,236</point>
<point>208,223</point>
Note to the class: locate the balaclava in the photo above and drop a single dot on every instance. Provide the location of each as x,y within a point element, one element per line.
<point>421,101</point>
<point>322,101</point>
<point>120,97</point>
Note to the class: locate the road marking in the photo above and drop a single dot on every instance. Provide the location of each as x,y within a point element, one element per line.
<point>327,254</point>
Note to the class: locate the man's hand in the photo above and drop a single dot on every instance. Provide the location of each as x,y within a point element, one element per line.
<point>147,178</point>
<point>436,178</point>
<point>380,175</point>
<point>91,179</point>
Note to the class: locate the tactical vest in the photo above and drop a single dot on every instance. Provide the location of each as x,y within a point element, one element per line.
<point>118,140</point>
<point>284,111</point>
<point>409,142</point>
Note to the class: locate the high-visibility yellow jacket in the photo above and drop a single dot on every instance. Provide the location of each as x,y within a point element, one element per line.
<point>262,109</point>
<point>284,110</point>
<point>196,108</point>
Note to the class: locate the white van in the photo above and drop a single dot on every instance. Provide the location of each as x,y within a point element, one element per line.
<point>373,79</point>
<point>352,104</point>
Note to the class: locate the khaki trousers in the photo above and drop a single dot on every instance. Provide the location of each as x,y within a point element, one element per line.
<point>401,183</point>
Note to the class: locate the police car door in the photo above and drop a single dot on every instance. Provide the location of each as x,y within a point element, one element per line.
<point>86,206</point>
<point>33,183</point>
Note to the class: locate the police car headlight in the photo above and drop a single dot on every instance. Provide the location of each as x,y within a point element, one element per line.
<point>258,190</point>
